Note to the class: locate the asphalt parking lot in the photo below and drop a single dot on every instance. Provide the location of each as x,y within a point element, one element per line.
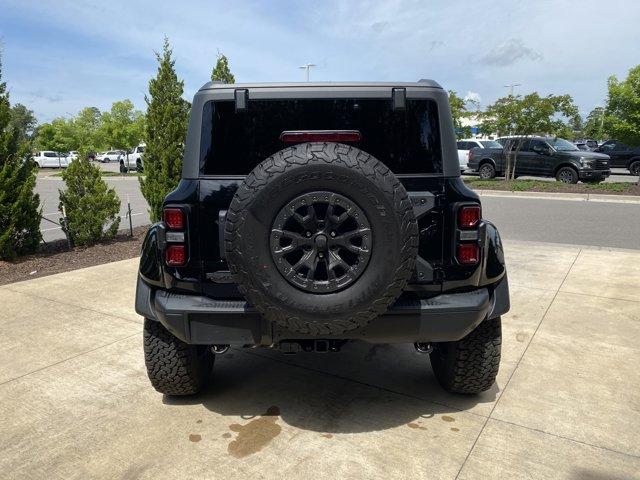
<point>75,401</point>
<point>557,220</point>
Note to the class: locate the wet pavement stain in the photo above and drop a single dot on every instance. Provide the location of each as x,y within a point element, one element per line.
<point>454,429</point>
<point>447,418</point>
<point>194,437</point>
<point>226,435</point>
<point>255,435</point>
<point>521,337</point>
<point>326,435</point>
<point>415,426</point>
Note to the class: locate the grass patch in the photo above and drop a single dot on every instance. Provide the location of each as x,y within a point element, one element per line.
<point>542,186</point>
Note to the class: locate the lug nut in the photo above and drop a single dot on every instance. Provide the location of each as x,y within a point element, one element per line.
<point>308,234</point>
<point>321,255</point>
<point>333,234</point>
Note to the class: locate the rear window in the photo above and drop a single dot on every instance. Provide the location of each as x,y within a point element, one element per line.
<point>407,141</point>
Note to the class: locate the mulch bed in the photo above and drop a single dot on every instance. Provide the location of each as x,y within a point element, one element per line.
<point>553,187</point>
<point>55,257</point>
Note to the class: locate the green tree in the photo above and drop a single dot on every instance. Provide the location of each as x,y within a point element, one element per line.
<point>622,115</point>
<point>166,129</point>
<point>594,126</point>
<point>123,126</point>
<point>527,115</point>
<point>19,207</point>
<point>91,207</point>
<point>88,129</point>
<point>458,113</point>
<point>59,136</point>
<point>24,121</point>
<point>221,72</point>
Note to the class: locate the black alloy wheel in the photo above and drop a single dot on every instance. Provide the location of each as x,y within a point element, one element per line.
<point>321,242</point>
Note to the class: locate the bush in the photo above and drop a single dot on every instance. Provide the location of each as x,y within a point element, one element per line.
<point>92,208</point>
<point>19,206</point>
<point>19,209</point>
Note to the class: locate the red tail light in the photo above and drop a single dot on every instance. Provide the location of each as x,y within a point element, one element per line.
<point>173,218</point>
<point>468,253</point>
<point>470,155</point>
<point>175,255</point>
<point>469,216</point>
<point>300,136</point>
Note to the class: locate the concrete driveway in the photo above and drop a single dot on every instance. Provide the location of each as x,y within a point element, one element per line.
<point>75,401</point>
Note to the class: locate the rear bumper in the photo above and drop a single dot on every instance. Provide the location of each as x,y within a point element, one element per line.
<point>201,320</point>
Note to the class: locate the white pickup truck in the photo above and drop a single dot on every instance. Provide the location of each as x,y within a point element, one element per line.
<point>133,158</point>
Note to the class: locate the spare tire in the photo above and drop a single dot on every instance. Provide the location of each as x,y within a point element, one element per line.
<point>321,238</point>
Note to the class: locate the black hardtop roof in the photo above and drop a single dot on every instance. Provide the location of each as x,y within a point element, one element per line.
<point>311,85</point>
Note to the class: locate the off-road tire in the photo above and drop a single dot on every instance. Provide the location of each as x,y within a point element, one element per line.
<point>175,367</point>
<point>567,175</point>
<point>471,364</point>
<point>343,170</point>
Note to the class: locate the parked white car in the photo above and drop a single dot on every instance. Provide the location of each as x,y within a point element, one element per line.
<point>466,144</point>
<point>110,156</point>
<point>50,159</point>
<point>133,158</point>
<point>72,155</point>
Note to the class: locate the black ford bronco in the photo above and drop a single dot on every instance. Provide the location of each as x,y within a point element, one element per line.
<point>309,215</point>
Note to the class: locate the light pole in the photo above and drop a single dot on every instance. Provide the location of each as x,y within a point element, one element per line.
<point>511,87</point>
<point>307,67</point>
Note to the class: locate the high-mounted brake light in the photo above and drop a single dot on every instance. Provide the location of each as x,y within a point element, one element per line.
<point>469,216</point>
<point>468,253</point>
<point>173,218</point>
<point>175,255</point>
<point>300,136</point>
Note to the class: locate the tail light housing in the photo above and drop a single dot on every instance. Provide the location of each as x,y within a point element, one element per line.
<point>468,253</point>
<point>470,155</point>
<point>469,216</point>
<point>173,218</point>
<point>467,249</point>
<point>175,253</point>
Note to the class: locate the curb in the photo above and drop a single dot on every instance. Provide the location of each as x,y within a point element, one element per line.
<point>575,197</point>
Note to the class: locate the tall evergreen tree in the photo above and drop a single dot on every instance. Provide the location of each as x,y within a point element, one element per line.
<point>165,132</point>
<point>221,72</point>
<point>19,206</point>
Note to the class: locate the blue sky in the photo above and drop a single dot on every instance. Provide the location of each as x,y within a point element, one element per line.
<point>60,56</point>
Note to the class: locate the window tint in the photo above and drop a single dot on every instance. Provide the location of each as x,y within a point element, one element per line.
<point>462,145</point>
<point>50,154</point>
<point>490,144</point>
<point>407,141</point>
<point>140,149</point>
<point>537,144</point>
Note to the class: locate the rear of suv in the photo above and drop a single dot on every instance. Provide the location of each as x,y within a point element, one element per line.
<point>311,215</point>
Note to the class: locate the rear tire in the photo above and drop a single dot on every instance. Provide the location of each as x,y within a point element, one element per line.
<point>567,175</point>
<point>634,168</point>
<point>487,171</point>
<point>469,365</point>
<point>173,366</point>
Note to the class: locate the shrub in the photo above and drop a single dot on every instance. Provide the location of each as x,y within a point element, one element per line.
<point>92,208</point>
<point>19,206</point>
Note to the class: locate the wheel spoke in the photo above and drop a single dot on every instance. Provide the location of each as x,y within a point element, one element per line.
<point>312,252</point>
<point>336,261</point>
<point>296,239</point>
<point>344,240</point>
